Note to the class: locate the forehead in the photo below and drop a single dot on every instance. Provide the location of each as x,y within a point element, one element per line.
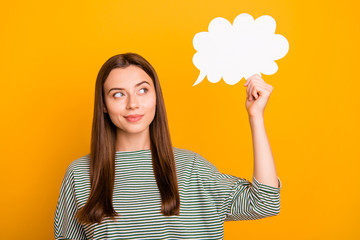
<point>126,77</point>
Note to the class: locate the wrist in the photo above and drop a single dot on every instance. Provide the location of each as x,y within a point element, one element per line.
<point>256,117</point>
<point>256,121</point>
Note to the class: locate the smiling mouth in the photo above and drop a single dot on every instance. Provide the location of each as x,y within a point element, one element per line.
<point>134,118</point>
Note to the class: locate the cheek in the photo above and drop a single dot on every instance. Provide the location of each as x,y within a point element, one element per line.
<point>150,103</point>
<point>111,107</point>
<point>115,108</point>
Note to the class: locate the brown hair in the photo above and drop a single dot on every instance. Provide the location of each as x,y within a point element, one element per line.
<point>102,155</point>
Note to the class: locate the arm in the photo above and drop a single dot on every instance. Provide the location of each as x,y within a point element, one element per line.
<point>258,93</point>
<point>235,198</point>
<point>264,165</point>
<point>66,225</point>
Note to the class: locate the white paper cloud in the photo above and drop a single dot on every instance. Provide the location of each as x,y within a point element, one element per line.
<point>240,50</point>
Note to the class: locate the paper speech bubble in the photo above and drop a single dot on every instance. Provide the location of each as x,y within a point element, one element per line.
<point>240,50</point>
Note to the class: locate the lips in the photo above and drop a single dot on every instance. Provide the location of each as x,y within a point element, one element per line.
<point>134,118</point>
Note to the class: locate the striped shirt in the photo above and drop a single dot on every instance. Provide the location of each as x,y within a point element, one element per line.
<point>207,199</point>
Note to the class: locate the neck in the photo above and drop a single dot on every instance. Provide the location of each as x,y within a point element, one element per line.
<point>132,141</point>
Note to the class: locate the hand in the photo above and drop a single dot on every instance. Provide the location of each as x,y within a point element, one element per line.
<point>258,93</point>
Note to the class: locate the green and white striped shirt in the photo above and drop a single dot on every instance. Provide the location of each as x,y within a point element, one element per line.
<point>207,199</point>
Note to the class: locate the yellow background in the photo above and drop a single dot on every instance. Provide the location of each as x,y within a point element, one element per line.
<point>51,52</point>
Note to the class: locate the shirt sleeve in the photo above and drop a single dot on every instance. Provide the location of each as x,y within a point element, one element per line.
<point>66,225</point>
<point>236,198</point>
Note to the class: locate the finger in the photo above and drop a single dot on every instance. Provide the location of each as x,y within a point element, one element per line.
<point>248,90</point>
<point>270,87</point>
<point>258,93</point>
<point>260,85</point>
<point>254,91</point>
<point>255,76</point>
<point>258,78</point>
<point>266,89</point>
<point>248,95</point>
<point>249,80</point>
<point>251,86</point>
<point>251,89</point>
<point>253,82</point>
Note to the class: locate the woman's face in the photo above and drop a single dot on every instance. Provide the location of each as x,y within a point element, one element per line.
<point>130,91</point>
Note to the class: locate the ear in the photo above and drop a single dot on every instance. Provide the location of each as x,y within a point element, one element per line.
<point>105,110</point>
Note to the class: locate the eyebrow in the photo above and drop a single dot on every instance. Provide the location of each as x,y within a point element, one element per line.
<point>138,84</point>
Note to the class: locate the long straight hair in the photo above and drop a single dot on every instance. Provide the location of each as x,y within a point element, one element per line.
<point>102,155</point>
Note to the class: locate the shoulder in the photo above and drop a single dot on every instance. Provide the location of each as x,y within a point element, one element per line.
<point>183,155</point>
<point>182,152</point>
<point>78,166</point>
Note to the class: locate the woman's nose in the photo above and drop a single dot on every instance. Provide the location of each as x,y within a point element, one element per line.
<point>132,102</point>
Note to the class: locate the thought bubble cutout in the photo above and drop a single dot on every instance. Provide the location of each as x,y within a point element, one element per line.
<point>240,50</point>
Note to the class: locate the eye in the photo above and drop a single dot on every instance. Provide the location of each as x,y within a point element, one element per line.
<point>146,90</point>
<point>116,93</point>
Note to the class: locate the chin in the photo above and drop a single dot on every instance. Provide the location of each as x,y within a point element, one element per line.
<point>133,130</point>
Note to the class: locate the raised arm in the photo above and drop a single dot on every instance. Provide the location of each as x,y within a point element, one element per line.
<point>258,93</point>
<point>264,165</point>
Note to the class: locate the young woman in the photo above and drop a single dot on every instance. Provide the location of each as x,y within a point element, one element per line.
<point>135,185</point>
